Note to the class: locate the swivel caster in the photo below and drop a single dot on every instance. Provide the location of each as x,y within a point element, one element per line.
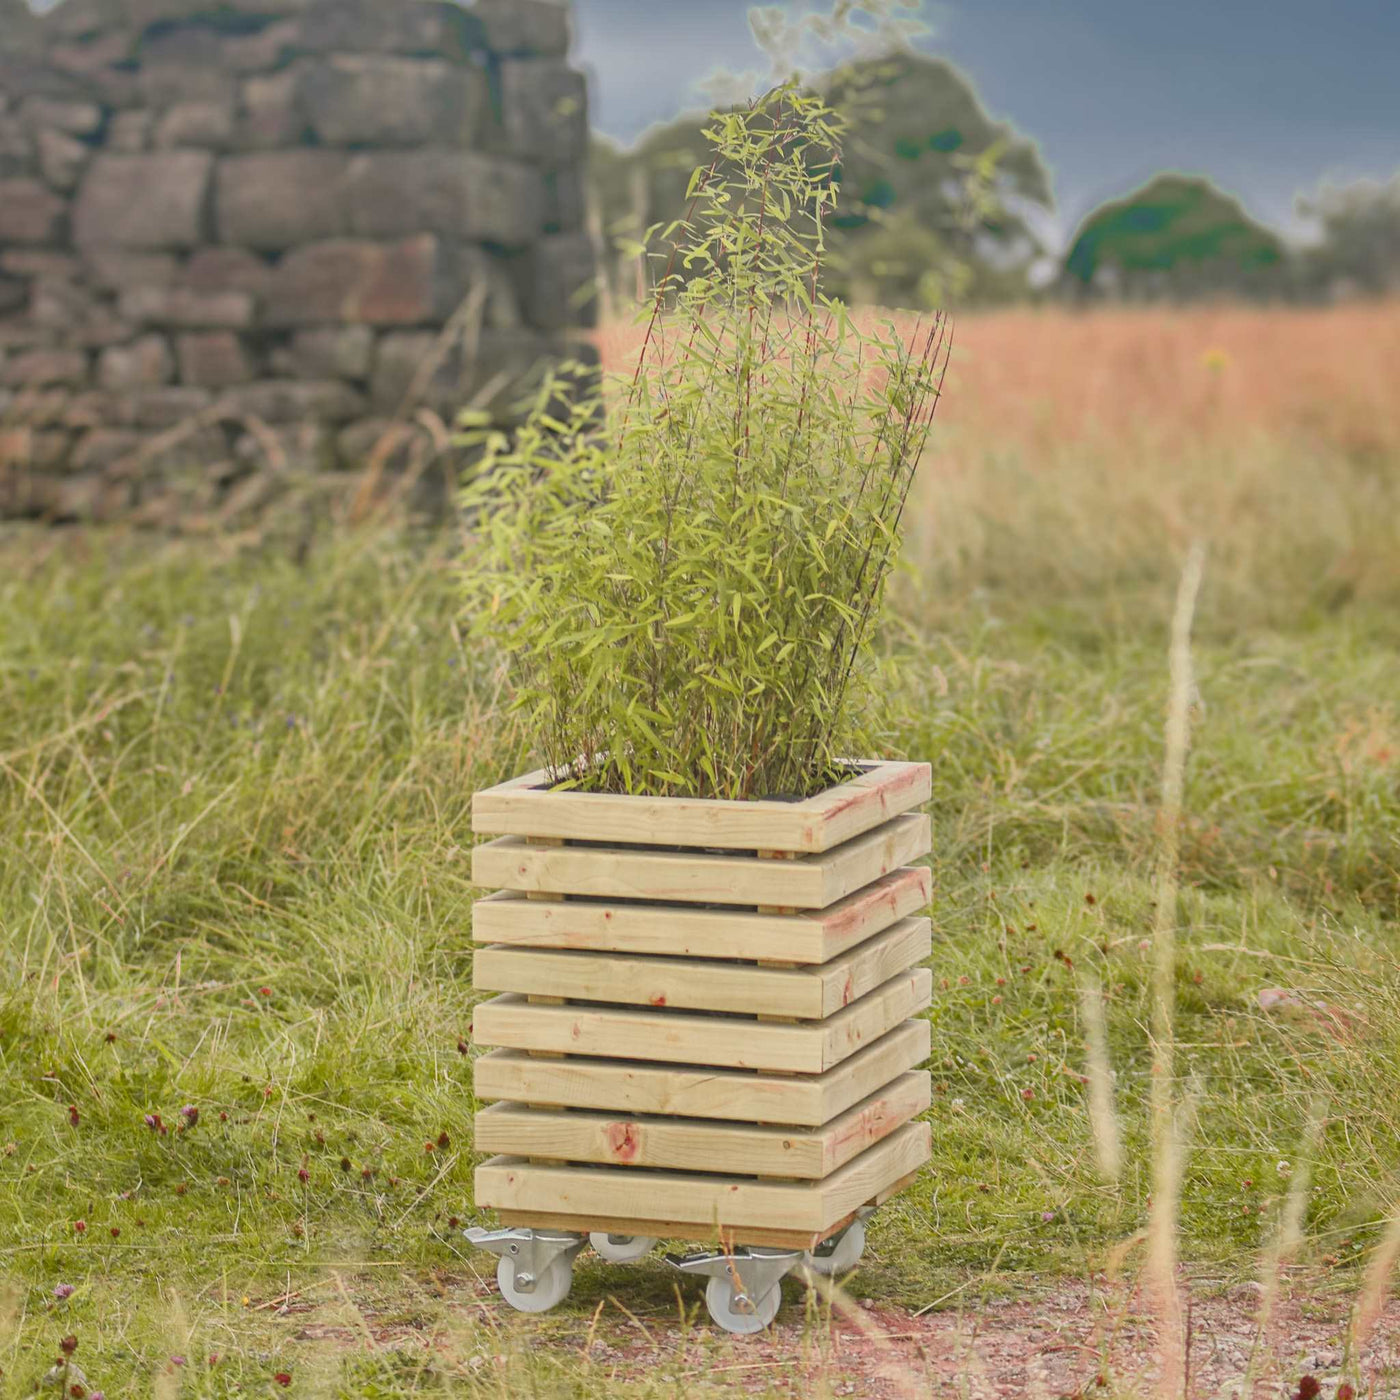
<point>535,1293</point>
<point>745,1288</point>
<point>621,1249</point>
<point>840,1254</point>
<point>536,1268</point>
<point>735,1311</point>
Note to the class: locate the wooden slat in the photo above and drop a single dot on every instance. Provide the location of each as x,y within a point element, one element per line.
<point>679,1037</point>
<point>634,1226</point>
<point>805,882</point>
<point>728,1238</point>
<point>525,807</point>
<point>683,983</point>
<point>731,1095</point>
<point>697,1144</point>
<point>704,984</point>
<point>814,937</point>
<point>702,1201</point>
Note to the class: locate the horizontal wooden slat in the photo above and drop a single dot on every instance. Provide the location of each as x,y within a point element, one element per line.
<point>684,983</point>
<point>633,1226</point>
<point>804,882</point>
<point>698,1144</point>
<point>731,1095</point>
<point>604,926</point>
<point>700,1201</point>
<point>705,984</point>
<point>679,1037</point>
<point>526,807</point>
<point>729,1238</point>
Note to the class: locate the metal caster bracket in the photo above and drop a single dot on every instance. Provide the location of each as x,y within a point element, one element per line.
<point>744,1289</point>
<point>532,1252</point>
<point>842,1251</point>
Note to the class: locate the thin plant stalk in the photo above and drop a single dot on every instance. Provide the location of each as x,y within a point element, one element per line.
<point>1161,1274</point>
<point>1287,1235</point>
<point>1370,1302</point>
<point>1103,1116</point>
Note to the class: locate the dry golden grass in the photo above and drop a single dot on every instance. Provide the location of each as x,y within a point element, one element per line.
<point>1080,454</point>
<point>1169,378</point>
<point>1043,379</point>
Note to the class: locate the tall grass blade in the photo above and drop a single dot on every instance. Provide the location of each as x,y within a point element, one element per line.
<point>1371,1301</point>
<point>1163,1291</point>
<point>1288,1232</point>
<point>1103,1116</point>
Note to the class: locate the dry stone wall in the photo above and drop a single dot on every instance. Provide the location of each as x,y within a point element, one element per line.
<point>243,241</point>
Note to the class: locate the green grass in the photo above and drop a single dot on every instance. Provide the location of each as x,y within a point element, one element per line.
<point>234,806</point>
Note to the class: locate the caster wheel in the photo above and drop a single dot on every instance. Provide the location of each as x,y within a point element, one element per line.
<point>551,1287</point>
<point>840,1254</point>
<point>621,1249</point>
<point>719,1299</point>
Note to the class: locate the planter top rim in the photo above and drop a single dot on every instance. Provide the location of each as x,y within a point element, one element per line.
<point>880,790</point>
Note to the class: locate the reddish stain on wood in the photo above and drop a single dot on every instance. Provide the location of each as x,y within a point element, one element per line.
<point>857,799</point>
<point>622,1141</point>
<point>879,796</point>
<point>659,999</point>
<point>871,1125</point>
<point>890,890</point>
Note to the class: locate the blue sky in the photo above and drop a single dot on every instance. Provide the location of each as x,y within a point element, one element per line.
<point>1268,97</point>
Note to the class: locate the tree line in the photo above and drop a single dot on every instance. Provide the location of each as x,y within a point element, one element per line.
<point>939,202</point>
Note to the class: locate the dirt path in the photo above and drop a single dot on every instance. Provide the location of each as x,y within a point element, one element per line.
<point>1061,1343</point>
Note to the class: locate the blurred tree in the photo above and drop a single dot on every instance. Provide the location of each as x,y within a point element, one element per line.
<point>1178,236</point>
<point>934,192</point>
<point>1360,247</point>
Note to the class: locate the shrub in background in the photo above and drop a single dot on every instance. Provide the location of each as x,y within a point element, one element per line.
<point>684,575</point>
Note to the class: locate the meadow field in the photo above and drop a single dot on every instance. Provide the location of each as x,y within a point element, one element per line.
<point>235,918</point>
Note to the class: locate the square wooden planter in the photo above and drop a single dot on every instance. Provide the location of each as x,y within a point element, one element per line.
<point>706,1021</point>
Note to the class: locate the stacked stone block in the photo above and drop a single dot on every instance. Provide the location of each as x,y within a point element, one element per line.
<point>243,236</point>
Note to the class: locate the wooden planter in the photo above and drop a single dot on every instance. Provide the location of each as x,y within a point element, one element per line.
<point>706,1026</point>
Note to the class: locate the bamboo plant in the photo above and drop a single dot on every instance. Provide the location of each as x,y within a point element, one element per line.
<point>684,569</point>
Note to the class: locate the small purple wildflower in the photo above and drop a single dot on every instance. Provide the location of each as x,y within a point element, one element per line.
<point>1047,1215</point>
<point>64,1290</point>
<point>190,1114</point>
